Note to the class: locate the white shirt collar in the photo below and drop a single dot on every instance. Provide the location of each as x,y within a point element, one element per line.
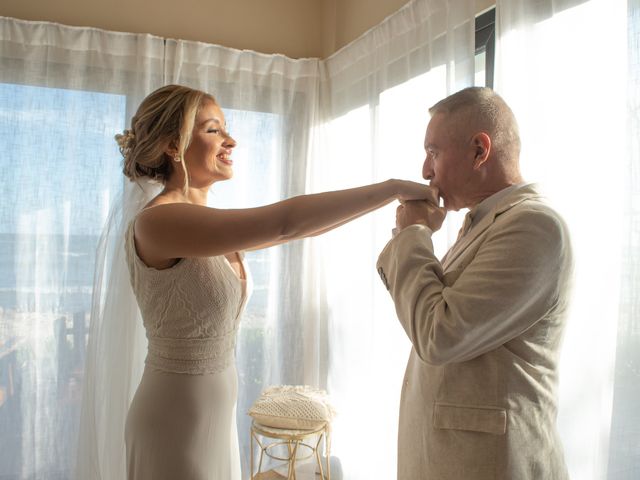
<point>485,206</point>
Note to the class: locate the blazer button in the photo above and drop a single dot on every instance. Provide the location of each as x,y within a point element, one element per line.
<point>383,277</point>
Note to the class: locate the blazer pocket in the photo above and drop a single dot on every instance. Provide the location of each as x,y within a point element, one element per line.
<point>475,419</point>
<point>450,277</point>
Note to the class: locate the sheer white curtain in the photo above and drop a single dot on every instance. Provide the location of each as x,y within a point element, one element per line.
<point>319,314</point>
<point>563,67</point>
<point>63,93</point>
<point>378,91</point>
<point>624,450</point>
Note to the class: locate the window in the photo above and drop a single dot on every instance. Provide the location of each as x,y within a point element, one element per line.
<point>485,47</point>
<point>60,173</point>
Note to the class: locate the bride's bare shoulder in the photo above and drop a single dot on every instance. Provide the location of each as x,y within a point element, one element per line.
<point>159,200</point>
<point>156,211</point>
<point>164,212</point>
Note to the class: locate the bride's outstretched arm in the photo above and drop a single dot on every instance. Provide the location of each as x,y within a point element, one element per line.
<point>184,230</point>
<point>333,226</point>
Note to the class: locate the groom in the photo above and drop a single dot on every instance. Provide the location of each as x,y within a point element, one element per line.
<point>479,394</point>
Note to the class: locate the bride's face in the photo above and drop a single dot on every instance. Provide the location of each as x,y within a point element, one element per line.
<point>208,157</point>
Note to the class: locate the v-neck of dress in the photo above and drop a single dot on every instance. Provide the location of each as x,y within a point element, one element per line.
<point>235,274</point>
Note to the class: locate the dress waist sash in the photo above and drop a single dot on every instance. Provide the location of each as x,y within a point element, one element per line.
<point>192,355</point>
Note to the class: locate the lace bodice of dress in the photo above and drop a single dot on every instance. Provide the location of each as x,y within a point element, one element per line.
<point>190,311</point>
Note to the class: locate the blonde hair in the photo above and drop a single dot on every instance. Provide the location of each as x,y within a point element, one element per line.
<point>483,109</point>
<point>164,118</point>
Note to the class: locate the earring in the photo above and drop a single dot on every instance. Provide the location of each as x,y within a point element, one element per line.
<point>176,158</point>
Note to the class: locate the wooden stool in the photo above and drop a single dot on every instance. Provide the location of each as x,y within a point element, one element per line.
<point>295,441</point>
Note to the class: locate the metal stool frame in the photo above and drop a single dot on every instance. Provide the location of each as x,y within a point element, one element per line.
<point>293,439</point>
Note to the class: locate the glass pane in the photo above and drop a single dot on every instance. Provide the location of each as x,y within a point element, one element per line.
<point>61,165</point>
<point>60,171</point>
<point>480,69</point>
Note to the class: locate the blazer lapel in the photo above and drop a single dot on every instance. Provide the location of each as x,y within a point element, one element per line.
<point>519,195</point>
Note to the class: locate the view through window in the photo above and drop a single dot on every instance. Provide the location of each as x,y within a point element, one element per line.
<point>61,173</point>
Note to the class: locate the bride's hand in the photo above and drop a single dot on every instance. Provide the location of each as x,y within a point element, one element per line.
<point>407,190</point>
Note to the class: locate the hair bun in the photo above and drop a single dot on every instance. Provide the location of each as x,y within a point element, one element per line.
<point>125,140</point>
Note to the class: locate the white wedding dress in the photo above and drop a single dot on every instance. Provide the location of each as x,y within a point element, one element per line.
<point>181,423</point>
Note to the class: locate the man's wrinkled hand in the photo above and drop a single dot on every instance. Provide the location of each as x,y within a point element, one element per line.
<point>419,212</point>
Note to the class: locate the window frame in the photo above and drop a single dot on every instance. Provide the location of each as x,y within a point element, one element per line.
<point>486,42</point>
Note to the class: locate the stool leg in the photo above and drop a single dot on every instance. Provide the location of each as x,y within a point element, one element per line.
<point>262,450</point>
<point>317,452</point>
<point>289,461</point>
<point>295,457</point>
<point>291,470</point>
<point>327,451</point>
<point>251,458</point>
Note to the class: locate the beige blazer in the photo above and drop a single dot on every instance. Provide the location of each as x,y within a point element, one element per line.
<point>479,394</point>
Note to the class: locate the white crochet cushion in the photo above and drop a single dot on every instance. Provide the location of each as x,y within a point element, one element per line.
<point>296,407</point>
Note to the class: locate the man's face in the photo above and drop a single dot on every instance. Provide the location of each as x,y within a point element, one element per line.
<point>449,160</point>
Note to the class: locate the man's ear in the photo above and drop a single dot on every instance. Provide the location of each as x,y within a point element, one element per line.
<point>481,143</point>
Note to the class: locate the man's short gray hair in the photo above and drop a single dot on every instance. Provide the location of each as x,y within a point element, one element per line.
<point>482,109</point>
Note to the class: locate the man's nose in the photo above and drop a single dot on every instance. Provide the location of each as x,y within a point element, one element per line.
<point>427,169</point>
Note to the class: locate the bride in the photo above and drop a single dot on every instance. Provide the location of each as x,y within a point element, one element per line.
<point>186,268</point>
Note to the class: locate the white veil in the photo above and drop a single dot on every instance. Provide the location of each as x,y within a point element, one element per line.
<point>116,348</point>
